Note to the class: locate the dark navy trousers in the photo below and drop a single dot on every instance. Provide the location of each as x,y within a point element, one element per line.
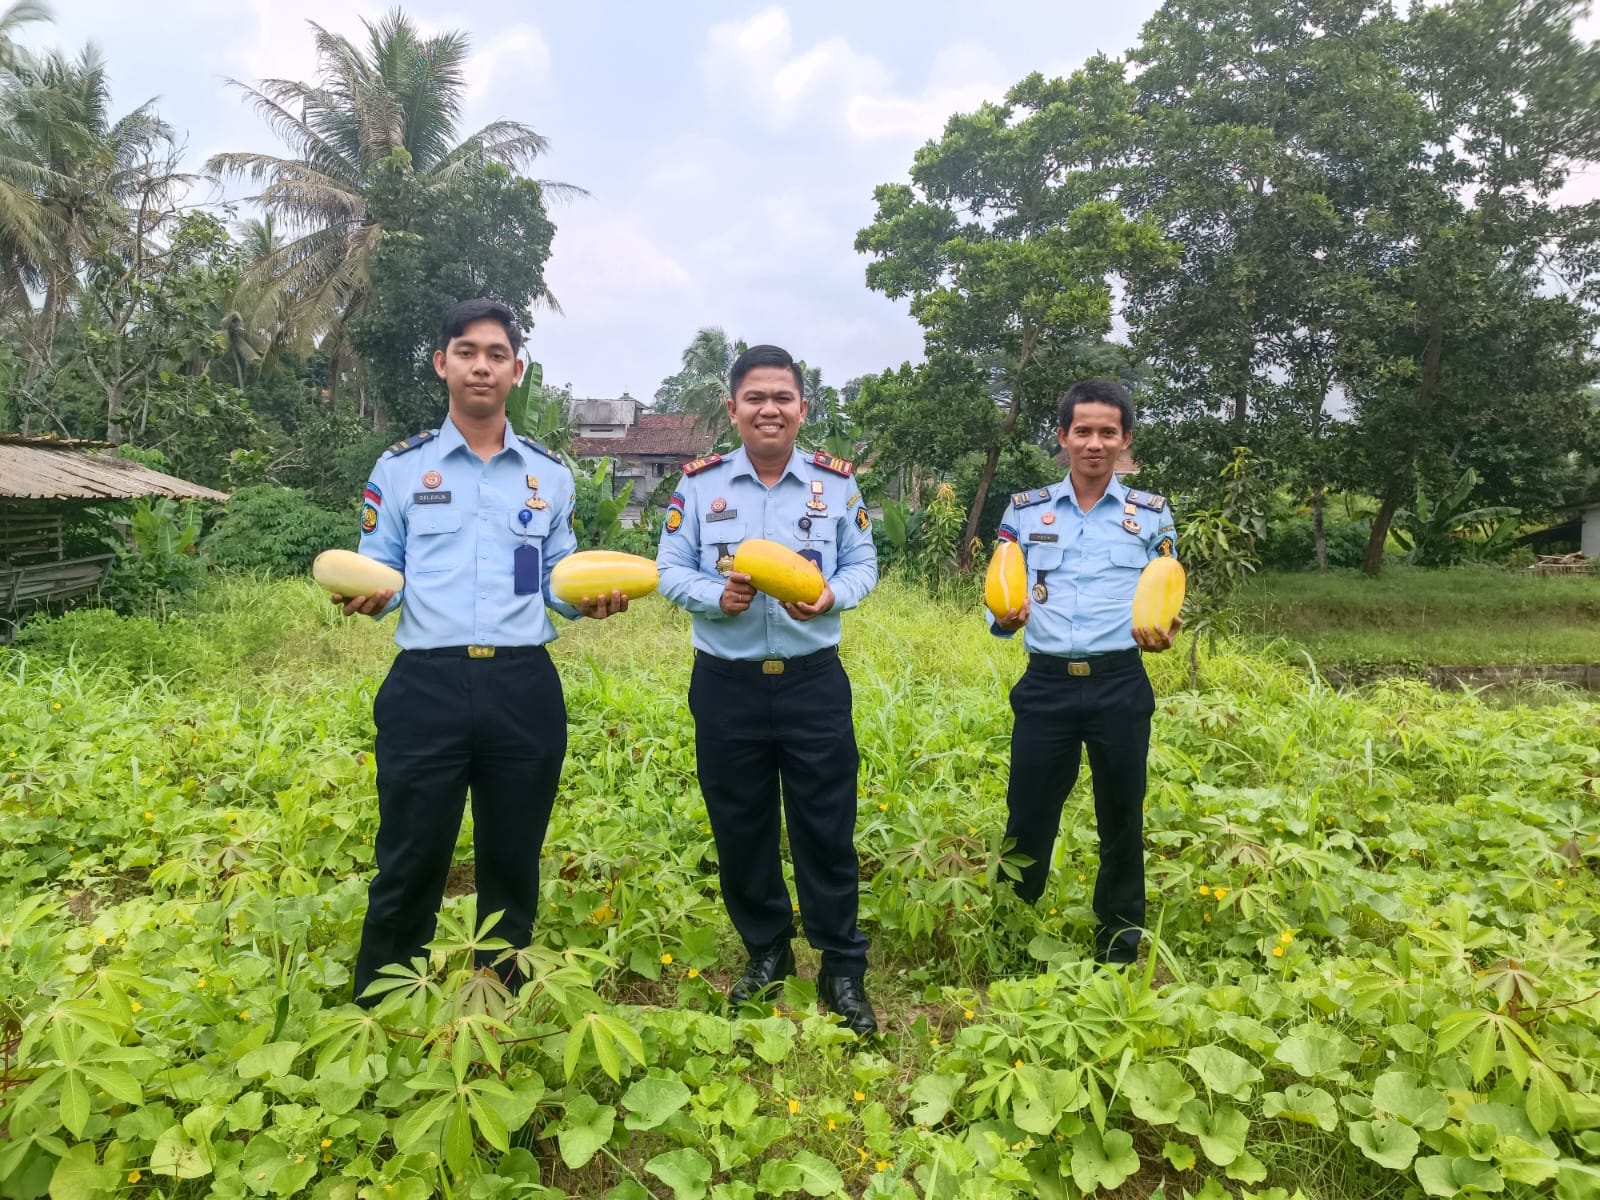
<point>447,725</point>
<point>1057,714</point>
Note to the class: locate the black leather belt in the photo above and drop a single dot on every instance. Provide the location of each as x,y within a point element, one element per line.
<point>768,666</point>
<point>1085,664</point>
<point>478,652</point>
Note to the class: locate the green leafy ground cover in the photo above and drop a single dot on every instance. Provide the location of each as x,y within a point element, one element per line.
<point>1407,615</point>
<point>1377,972</point>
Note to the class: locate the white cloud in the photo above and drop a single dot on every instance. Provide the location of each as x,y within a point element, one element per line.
<point>276,41</point>
<point>518,53</point>
<point>601,258</point>
<point>755,61</point>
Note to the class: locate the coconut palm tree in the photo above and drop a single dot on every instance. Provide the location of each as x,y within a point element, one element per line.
<point>395,100</point>
<point>702,389</point>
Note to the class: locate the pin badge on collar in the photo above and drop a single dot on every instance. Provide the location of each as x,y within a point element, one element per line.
<point>719,505</point>
<point>1048,518</point>
<point>432,480</point>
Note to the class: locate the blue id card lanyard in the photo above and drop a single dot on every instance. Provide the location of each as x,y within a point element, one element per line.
<point>525,569</point>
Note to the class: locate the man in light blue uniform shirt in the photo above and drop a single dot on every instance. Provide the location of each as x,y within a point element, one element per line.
<point>770,699</point>
<point>475,517</point>
<point>1086,541</point>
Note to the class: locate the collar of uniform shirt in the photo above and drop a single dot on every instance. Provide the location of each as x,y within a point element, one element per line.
<point>743,466</point>
<point>1116,490</point>
<point>451,439</point>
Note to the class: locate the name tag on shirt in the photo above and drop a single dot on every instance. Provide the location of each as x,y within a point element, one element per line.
<point>430,497</point>
<point>726,515</point>
<point>1044,537</point>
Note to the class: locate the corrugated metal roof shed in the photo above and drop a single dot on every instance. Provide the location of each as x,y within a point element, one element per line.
<point>47,469</point>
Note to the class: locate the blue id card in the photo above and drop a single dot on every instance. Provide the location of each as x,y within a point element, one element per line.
<point>525,570</point>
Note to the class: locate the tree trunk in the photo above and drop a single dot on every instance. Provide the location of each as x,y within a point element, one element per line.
<point>1373,558</point>
<point>1318,503</point>
<point>1427,398</point>
<point>116,432</point>
<point>970,534</point>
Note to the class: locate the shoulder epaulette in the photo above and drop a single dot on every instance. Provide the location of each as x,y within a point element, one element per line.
<point>415,440</point>
<point>539,446</point>
<point>1148,500</point>
<point>1037,496</point>
<point>839,466</point>
<point>701,463</point>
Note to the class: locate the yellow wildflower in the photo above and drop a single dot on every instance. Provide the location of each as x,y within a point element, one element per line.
<point>1277,952</point>
<point>1286,936</point>
<point>1219,893</point>
<point>1205,890</point>
<point>694,972</point>
<point>971,829</point>
<point>794,1107</point>
<point>136,1006</point>
<point>326,1142</point>
<point>148,815</point>
<point>666,960</point>
<point>134,1177</point>
<point>1208,918</point>
<point>883,808</point>
<point>1019,1062</point>
<point>883,1164</point>
<point>832,1125</point>
<point>201,982</point>
<point>858,1097</point>
<point>861,1152</point>
<point>968,1014</point>
<point>245,1015</point>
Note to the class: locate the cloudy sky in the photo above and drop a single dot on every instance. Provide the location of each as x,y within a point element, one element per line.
<point>730,154</point>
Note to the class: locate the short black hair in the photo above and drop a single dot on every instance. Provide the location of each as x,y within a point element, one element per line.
<point>1096,391</point>
<point>763,356</point>
<point>461,315</point>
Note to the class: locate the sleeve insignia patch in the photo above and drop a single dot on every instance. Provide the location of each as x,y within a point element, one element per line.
<point>369,518</point>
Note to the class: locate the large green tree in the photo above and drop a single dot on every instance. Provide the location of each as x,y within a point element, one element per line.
<point>1268,134</point>
<point>400,92</point>
<point>1477,333</point>
<point>1004,239</point>
<point>482,233</point>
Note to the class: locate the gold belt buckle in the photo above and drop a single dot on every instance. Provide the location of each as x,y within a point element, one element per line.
<point>480,651</point>
<point>1077,668</point>
<point>772,666</point>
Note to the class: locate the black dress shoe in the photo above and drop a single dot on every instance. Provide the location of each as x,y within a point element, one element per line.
<point>763,972</point>
<point>847,996</point>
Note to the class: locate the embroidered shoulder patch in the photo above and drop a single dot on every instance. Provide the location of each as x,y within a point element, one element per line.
<point>839,466</point>
<point>1148,500</point>
<point>701,463</point>
<point>412,442</point>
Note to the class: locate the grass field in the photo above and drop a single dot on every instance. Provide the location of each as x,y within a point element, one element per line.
<point>1376,971</point>
<point>1409,616</point>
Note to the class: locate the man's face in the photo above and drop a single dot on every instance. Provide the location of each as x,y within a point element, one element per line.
<point>1094,440</point>
<point>768,411</point>
<point>478,368</point>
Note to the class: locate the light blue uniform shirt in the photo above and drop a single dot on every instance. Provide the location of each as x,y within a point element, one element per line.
<point>720,503</point>
<point>1088,564</point>
<point>451,523</point>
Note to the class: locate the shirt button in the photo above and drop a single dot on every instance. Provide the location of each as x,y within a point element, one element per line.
<point>483,595</point>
